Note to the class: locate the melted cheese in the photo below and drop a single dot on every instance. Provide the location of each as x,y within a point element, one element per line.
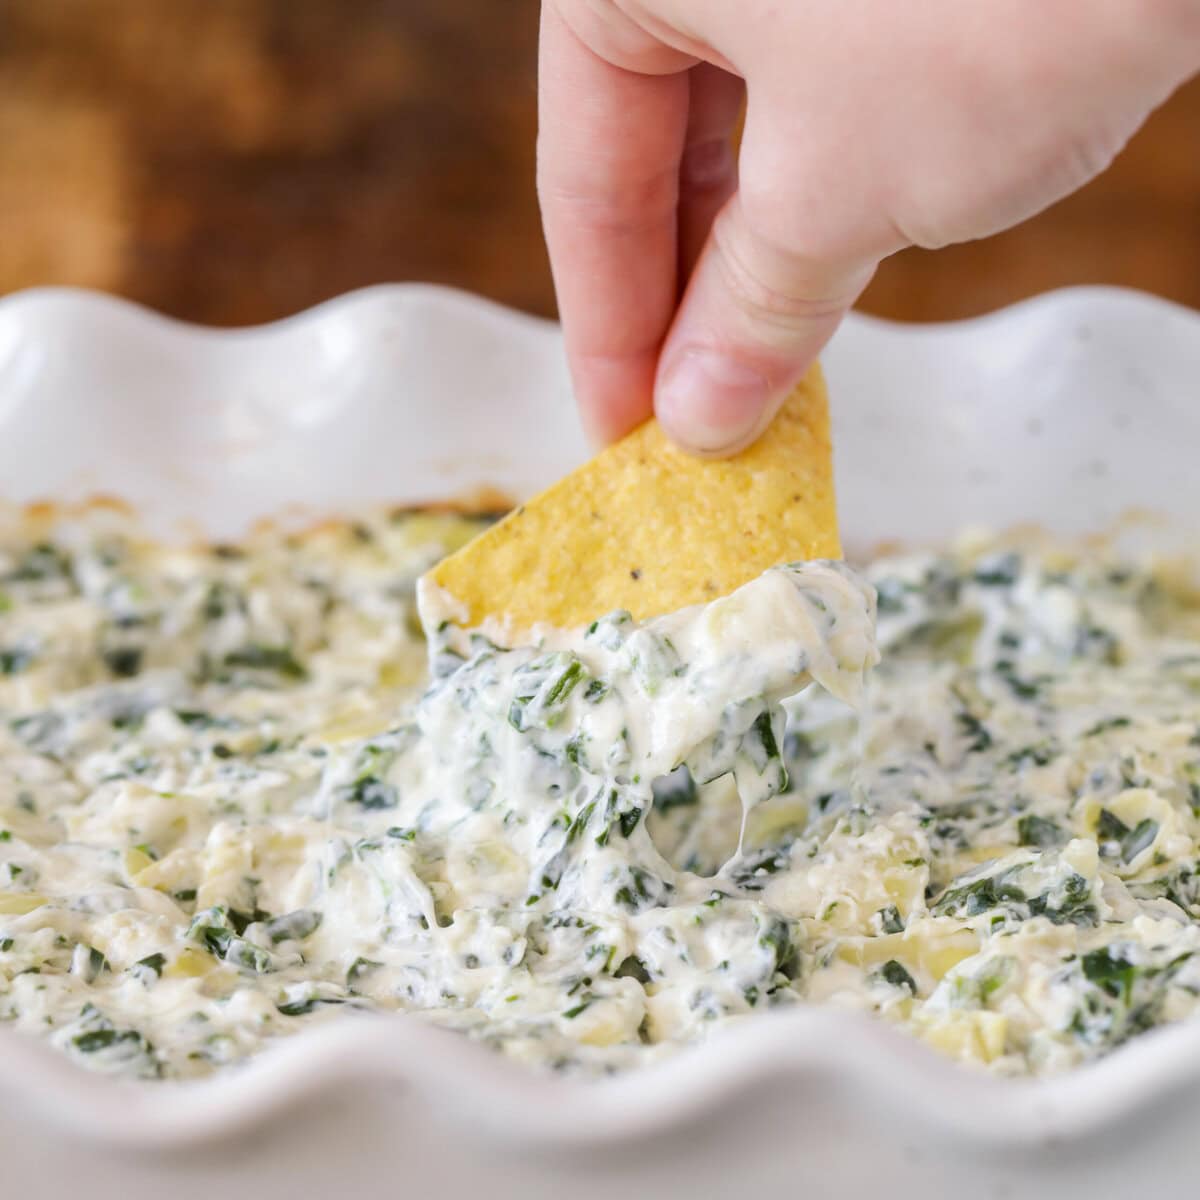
<point>232,804</point>
<point>225,821</point>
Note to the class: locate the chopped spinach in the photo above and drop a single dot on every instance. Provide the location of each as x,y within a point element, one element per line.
<point>1033,830</point>
<point>894,973</point>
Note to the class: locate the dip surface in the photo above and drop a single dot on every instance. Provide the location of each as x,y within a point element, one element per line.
<point>232,804</point>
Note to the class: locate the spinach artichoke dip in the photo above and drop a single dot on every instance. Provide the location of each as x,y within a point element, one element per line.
<point>235,801</point>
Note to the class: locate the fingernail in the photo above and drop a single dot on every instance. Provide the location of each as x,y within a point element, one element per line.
<point>711,403</point>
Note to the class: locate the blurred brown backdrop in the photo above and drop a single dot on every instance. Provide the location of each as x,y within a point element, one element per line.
<point>232,161</point>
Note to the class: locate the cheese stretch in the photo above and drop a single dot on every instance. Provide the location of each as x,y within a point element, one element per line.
<point>234,803</point>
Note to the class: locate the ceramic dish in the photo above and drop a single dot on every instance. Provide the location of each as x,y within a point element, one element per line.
<point>1069,410</point>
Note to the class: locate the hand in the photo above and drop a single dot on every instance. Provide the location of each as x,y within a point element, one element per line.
<point>706,286</point>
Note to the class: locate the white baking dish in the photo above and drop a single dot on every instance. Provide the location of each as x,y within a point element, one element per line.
<point>1069,410</point>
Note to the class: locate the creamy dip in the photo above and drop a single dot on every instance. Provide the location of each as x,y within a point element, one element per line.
<point>233,804</point>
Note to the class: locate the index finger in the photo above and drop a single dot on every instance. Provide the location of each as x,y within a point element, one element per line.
<point>609,148</point>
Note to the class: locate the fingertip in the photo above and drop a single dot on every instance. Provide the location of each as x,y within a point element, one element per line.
<point>615,395</point>
<point>737,347</point>
<point>610,140</point>
<point>712,404</point>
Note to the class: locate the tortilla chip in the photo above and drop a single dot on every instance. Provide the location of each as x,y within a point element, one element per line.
<point>645,527</point>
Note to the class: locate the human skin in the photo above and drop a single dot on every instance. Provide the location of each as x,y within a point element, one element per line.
<point>701,284</point>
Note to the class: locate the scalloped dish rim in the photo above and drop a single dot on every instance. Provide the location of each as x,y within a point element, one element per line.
<point>509,1100</point>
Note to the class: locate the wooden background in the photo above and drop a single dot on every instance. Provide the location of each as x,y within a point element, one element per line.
<point>232,161</point>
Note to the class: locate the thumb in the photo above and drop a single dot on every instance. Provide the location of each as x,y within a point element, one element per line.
<point>755,315</point>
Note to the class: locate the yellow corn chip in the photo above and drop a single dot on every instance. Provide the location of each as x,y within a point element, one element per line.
<point>645,527</point>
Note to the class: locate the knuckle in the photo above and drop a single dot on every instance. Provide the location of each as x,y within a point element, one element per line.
<point>707,165</point>
<point>1092,154</point>
<point>801,230</point>
<point>616,37</point>
<point>611,205</point>
<point>795,296</point>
